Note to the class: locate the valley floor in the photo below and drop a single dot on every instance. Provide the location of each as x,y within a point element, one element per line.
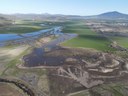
<point>46,66</point>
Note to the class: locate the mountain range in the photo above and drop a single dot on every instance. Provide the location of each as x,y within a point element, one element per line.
<point>113,15</point>
<point>107,15</point>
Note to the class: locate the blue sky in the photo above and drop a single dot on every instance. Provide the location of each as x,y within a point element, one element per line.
<point>71,7</point>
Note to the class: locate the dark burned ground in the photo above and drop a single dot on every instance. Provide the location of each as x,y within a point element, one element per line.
<point>55,57</point>
<point>100,66</point>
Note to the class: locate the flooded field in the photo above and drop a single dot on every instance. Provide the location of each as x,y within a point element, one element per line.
<point>39,55</point>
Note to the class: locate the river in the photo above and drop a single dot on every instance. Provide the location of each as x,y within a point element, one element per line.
<point>10,37</point>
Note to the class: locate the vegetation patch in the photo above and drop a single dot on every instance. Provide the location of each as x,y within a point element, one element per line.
<point>122,41</point>
<point>86,38</point>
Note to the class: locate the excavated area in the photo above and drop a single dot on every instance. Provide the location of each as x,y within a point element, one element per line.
<point>97,64</point>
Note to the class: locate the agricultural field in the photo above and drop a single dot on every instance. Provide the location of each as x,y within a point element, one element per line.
<point>86,37</point>
<point>22,26</point>
<point>122,41</point>
<point>115,30</point>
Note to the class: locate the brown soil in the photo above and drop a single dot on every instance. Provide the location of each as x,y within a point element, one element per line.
<point>56,57</point>
<point>8,90</point>
<point>100,66</point>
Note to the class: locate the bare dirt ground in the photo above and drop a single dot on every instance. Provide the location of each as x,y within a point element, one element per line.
<point>103,66</point>
<point>8,54</point>
<point>8,90</point>
<point>106,67</point>
<point>12,52</point>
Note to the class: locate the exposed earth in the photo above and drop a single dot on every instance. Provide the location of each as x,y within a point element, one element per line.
<point>7,90</point>
<point>105,67</point>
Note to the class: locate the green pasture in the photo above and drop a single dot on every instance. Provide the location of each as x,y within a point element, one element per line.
<point>86,37</point>
<point>22,27</point>
<point>122,41</point>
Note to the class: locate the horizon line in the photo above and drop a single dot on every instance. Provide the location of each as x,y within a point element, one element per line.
<point>46,13</point>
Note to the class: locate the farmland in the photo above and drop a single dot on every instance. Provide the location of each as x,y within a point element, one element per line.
<point>20,27</point>
<point>123,41</point>
<point>86,37</point>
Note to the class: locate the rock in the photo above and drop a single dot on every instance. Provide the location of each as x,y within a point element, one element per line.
<point>126,65</point>
<point>88,64</point>
<point>114,63</point>
<point>71,60</point>
<point>93,70</point>
<point>106,70</point>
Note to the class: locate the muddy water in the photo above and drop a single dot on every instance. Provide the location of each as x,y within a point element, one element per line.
<point>38,57</point>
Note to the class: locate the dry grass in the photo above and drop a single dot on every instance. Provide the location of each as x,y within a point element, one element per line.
<point>8,90</point>
<point>8,54</point>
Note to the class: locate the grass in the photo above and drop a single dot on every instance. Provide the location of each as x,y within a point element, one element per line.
<point>83,93</point>
<point>113,89</point>
<point>123,41</point>
<point>116,90</point>
<point>86,37</point>
<point>15,61</point>
<point>22,27</point>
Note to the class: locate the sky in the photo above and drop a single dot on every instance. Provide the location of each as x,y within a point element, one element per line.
<point>67,7</point>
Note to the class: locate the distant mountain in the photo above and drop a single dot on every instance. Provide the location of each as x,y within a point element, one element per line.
<point>109,15</point>
<point>55,17</point>
<point>113,15</point>
<point>4,21</point>
<point>2,18</point>
<point>45,16</point>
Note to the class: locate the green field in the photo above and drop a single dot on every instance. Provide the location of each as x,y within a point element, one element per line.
<point>86,37</point>
<point>122,41</point>
<point>22,27</point>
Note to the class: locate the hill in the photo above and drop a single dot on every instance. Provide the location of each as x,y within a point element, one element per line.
<point>113,15</point>
<point>4,21</point>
